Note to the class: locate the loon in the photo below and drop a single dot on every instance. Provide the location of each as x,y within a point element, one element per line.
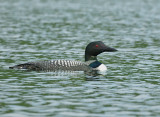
<point>91,63</point>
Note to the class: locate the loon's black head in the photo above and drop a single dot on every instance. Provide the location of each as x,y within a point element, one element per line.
<point>95,48</point>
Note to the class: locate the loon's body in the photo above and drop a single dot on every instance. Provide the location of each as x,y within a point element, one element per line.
<point>54,65</point>
<point>91,62</point>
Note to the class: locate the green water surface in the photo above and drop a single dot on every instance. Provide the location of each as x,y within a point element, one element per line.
<point>32,30</point>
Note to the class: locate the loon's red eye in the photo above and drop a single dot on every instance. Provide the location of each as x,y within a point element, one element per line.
<point>97,45</point>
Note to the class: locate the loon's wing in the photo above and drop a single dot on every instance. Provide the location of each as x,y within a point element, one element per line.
<point>53,65</point>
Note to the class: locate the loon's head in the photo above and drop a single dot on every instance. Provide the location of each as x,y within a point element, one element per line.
<point>95,48</point>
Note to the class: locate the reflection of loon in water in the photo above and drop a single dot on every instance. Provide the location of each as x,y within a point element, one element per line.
<point>91,62</point>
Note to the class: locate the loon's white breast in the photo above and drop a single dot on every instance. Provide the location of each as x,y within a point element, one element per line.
<point>101,68</point>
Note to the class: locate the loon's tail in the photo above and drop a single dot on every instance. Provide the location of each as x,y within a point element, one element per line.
<point>25,66</point>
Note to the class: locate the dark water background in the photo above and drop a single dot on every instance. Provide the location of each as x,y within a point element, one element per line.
<point>32,30</point>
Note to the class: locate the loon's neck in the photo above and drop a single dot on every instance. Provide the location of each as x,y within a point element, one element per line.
<point>94,63</point>
<point>89,57</point>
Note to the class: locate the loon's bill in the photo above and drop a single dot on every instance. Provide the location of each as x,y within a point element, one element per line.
<point>91,63</point>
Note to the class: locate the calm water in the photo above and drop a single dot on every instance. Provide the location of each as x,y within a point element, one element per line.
<point>45,29</point>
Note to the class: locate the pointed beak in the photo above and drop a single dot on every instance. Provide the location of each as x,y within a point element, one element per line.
<point>109,49</point>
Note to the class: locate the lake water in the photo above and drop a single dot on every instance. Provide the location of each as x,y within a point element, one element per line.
<point>60,29</point>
